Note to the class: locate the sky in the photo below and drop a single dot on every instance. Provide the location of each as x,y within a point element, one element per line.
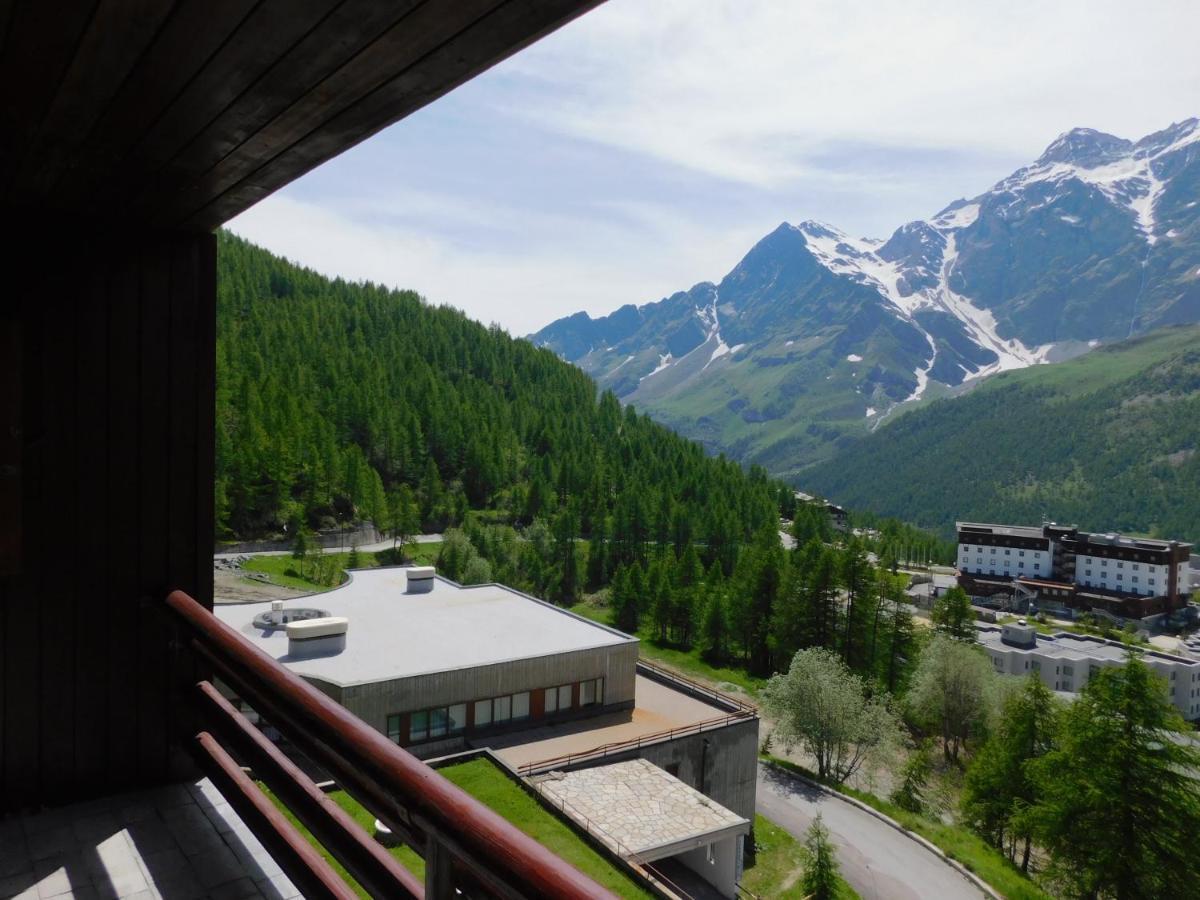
<point>649,144</point>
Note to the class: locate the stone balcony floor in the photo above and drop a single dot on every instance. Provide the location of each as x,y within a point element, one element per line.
<point>178,842</point>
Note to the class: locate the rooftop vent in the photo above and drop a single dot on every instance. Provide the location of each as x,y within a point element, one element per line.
<point>420,579</point>
<point>278,617</point>
<point>317,637</point>
<point>1018,634</point>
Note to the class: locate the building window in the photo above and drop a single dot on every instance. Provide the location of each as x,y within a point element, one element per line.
<point>502,709</point>
<point>1037,555</point>
<point>993,551</point>
<point>418,729</point>
<point>1120,565</point>
<point>591,692</point>
<point>1021,565</point>
<point>1104,563</point>
<point>393,729</point>
<point>1135,578</point>
<point>1037,567</point>
<point>1008,553</point>
<point>520,705</point>
<point>564,697</point>
<point>1151,580</point>
<point>1022,552</point>
<point>458,718</point>
<point>483,713</point>
<point>1135,567</point>
<point>979,560</point>
<point>1120,577</point>
<point>551,701</point>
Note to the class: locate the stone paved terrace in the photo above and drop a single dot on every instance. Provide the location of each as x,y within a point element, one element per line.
<point>657,707</point>
<point>648,811</point>
<point>179,842</point>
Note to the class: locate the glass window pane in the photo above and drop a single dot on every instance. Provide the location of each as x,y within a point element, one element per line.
<point>418,728</point>
<point>587,693</point>
<point>520,705</point>
<point>437,723</point>
<point>564,697</point>
<point>599,690</point>
<point>483,713</point>
<point>502,709</point>
<point>458,718</point>
<point>551,700</point>
<point>393,729</point>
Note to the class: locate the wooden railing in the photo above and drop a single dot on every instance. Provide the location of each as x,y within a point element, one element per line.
<point>468,849</point>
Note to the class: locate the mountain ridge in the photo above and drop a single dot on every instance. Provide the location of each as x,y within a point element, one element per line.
<point>1096,240</point>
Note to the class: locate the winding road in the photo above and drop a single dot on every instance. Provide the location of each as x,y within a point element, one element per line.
<point>878,861</point>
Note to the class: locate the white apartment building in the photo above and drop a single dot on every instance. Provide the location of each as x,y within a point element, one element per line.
<point>1126,576</point>
<point>1065,662</point>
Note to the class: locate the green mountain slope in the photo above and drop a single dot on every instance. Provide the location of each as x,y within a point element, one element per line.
<point>1107,440</point>
<point>333,395</point>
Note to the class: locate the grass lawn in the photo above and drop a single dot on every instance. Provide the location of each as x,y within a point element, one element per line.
<point>408,858</point>
<point>276,567</point>
<point>779,864</point>
<point>957,843</point>
<point>482,780</point>
<point>689,662</point>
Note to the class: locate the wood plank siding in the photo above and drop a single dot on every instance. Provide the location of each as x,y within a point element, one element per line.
<point>184,114</point>
<point>128,132</point>
<point>117,377</point>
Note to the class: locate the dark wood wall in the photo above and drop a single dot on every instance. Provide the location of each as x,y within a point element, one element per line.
<point>116,337</point>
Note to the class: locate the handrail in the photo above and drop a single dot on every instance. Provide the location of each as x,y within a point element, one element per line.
<point>406,794</point>
<point>697,686</point>
<point>636,743</point>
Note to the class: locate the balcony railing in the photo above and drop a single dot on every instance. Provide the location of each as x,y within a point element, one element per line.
<point>468,849</point>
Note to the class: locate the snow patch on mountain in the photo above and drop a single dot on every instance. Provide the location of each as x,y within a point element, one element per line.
<point>853,357</point>
<point>1127,177</point>
<point>664,360</point>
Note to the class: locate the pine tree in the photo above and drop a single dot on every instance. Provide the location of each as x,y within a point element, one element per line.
<point>820,880</point>
<point>998,788</point>
<point>952,615</point>
<point>1118,800</point>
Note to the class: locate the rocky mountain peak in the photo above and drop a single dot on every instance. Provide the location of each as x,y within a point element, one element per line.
<point>1085,147</point>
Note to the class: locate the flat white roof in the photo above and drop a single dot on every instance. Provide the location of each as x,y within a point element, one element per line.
<point>393,634</point>
<point>1066,645</point>
<point>641,809</point>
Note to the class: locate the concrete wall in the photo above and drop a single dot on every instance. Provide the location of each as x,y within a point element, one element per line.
<point>373,703</point>
<point>723,872</point>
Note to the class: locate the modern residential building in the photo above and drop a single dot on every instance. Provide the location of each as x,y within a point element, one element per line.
<point>1067,569</point>
<point>442,668</point>
<point>1065,662</point>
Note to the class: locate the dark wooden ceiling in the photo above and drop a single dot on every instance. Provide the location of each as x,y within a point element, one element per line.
<point>183,113</point>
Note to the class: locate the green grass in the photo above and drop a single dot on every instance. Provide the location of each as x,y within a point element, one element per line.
<point>959,844</point>
<point>689,662</point>
<point>276,567</point>
<point>407,857</point>
<point>482,780</point>
<point>779,862</point>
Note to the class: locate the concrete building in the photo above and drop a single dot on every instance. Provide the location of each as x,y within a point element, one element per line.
<point>430,663</point>
<point>1063,568</point>
<point>649,817</point>
<point>1065,662</point>
<point>441,668</point>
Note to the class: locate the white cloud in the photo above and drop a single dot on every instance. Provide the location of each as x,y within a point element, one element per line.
<point>647,145</point>
<point>753,90</point>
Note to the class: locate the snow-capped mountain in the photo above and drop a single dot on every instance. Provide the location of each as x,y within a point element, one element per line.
<point>816,335</point>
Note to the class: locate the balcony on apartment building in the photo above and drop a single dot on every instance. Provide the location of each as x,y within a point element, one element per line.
<point>128,133</point>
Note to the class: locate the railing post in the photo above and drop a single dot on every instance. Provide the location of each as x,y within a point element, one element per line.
<point>439,871</point>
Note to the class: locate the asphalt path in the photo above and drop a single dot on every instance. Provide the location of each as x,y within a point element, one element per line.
<point>363,548</point>
<point>878,861</point>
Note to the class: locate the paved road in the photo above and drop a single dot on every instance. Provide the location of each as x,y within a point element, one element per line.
<point>879,862</point>
<point>365,548</point>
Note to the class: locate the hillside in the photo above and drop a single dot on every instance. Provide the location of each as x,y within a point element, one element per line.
<point>334,397</point>
<point>816,336</point>
<point>1108,441</point>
